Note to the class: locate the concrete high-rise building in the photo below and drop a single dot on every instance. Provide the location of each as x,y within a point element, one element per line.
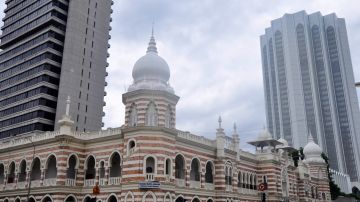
<point>310,88</point>
<point>52,49</point>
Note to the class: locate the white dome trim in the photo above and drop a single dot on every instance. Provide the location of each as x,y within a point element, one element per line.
<point>312,152</point>
<point>151,71</point>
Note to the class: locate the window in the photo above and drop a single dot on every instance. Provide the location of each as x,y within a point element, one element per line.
<point>115,165</point>
<point>151,115</point>
<point>179,167</point>
<point>133,116</point>
<point>72,167</point>
<point>209,173</point>
<point>90,171</point>
<point>168,117</point>
<point>195,170</point>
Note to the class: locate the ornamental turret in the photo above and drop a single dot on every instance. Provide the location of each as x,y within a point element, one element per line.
<point>150,100</point>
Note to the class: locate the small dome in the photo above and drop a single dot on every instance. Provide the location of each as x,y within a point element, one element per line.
<point>264,135</point>
<point>312,151</point>
<point>151,66</point>
<point>283,141</point>
<point>151,71</point>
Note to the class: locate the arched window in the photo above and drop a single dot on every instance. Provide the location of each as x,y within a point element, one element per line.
<point>180,199</point>
<point>112,198</point>
<point>11,175</point>
<point>150,165</point>
<point>2,173</point>
<point>87,199</point>
<point>150,168</point>
<point>251,181</point>
<point>72,167</point>
<point>195,170</point>
<point>151,115</point>
<point>6,200</point>
<point>70,198</point>
<point>90,168</point>
<point>210,200</point>
<point>168,197</point>
<point>179,167</point>
<point>168,117</point>
<point>115,165</point>
<point>17,200</point>
<point>228,173</point>
<point>22,171</point>
<point>51,168</point>
<point>102,170</point>
<point>255,182</point>
<point>195,199</point>
<point>129,197</point>
<point>168,167</point>
<point>35,169</point>
<point>239,179</point>
<point>209,172</point>
<point>31,199</point>
<point>323,196</point>
<point>133,115</point>
<point>131,146</point>
<point>47,199</point>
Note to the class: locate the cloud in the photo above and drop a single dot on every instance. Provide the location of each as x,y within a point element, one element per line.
<point>212,48</point>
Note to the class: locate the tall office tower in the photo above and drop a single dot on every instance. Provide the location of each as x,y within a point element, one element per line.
<point>52,49</point>
<point>309,86</point>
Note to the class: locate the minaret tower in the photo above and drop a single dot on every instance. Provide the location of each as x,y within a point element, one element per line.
<point>150,100</point>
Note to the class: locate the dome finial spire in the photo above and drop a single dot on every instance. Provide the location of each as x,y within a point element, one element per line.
<point>152,44</point>
<point>310,138</point>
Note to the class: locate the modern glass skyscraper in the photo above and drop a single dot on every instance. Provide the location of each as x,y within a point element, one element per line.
<point>52,49</point>
<point>310,88</point>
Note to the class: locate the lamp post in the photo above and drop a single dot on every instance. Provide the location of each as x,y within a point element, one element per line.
<point>29,183</point>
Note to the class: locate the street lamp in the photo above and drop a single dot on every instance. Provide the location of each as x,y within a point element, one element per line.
<point>32,160</point>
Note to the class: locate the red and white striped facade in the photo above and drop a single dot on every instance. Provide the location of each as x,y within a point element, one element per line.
<point>65,165</point>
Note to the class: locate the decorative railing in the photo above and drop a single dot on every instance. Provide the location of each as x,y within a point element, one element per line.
<point>21,185</point>
<point>229,143</point>
<point>17,141</point>
<point>195,184</point>
<point>180,182</point>
<point>10,186</point>
<point>114,180</point>
<point>131,151</point>
<point>167,178</point>
<point>247,191</point>
<point>196,138</point>
<point>50,182</point>
<point>70,182</point>
<point>89,182</point>
<point>150,177</point>
<point>228,187</point>
<point>102,181</point>
<point>209,186</point>
<point>35,183</point>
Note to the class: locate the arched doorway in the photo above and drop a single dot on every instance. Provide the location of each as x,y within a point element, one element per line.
<point>112,198</point>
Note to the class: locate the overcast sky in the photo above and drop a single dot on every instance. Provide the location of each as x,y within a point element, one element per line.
<point>212,48</point>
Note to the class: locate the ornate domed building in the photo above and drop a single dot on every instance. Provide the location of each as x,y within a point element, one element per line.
<point>149,160</point>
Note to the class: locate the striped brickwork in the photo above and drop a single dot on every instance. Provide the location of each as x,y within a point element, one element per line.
<point>159,143</point>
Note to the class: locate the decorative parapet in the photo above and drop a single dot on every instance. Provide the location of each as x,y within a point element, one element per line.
<point>37,137</point>
<point>195,138</point>
<point>229,143</point>
<point>247,154</point>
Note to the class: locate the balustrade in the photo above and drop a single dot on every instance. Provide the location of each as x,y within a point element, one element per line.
<point>116,180</point>
<point>89,183</point>
<point>195,184</point>
<point>209,186</point>
<point>70,182</point>
<point>150,177</point>
<point>180,182</point>
<point>50,182</point>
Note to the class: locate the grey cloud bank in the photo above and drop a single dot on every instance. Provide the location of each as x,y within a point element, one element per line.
<point>213,50</point>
